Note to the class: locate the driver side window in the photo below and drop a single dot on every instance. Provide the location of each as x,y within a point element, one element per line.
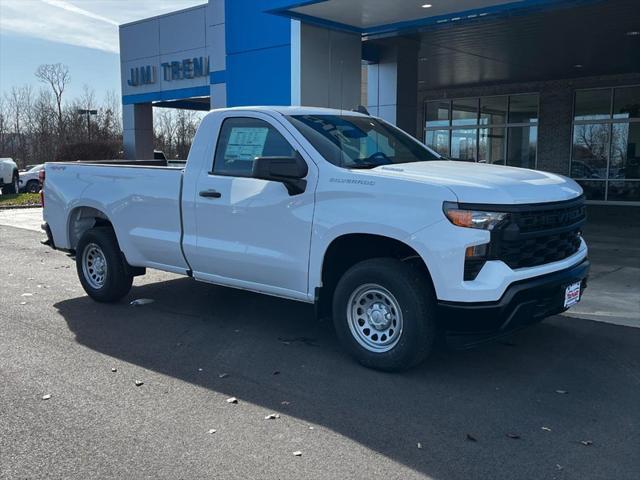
<point>241,140</point>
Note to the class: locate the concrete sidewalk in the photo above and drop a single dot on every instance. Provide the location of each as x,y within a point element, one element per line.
<point>613,295</point>
<point>26,218</point>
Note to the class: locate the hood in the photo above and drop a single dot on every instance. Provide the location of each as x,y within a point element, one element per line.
<point>486,183</point>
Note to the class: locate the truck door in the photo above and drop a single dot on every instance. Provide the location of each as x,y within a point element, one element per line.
<point>252,233</point>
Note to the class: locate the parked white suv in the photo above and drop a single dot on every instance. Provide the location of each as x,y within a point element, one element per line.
<point>338,209</point>
<point>8,175</point>
<point>30,180</point>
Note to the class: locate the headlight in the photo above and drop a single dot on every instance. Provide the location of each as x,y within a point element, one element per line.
<point>473,218</point>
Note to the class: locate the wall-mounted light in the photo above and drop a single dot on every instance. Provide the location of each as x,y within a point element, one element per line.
<point>633,33</point>
<point>426,5</point>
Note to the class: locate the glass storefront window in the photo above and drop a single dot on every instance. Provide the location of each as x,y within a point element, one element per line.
<point>438,140</point>
<point>593,104</point>
<point>625,151</point>
<point>463,144</point>
<point>590,150</point>
<point>522,145</point>
<point>493,110</point>
<point>491,143</point>
<point>626,102</point>
<point>523,108</point>
<point>464,111</point>
<point>606,145</point>
<point>486,129</point>
<point>438,113</point>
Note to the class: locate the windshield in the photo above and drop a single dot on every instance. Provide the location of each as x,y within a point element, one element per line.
<point>352,141</point>
<point>36,168</point>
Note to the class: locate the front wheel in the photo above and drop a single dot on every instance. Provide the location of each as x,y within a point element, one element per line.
<point>384,314</point>
<point>33,186</point>
<point>101,268</point>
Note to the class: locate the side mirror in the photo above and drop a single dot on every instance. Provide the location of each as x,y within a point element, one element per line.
<point>288,170</point>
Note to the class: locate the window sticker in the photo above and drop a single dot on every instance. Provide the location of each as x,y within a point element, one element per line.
<point>246,143</point>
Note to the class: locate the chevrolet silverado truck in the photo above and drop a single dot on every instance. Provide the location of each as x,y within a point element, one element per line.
<point>339,209</point>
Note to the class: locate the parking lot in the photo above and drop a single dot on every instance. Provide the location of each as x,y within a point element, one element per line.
<point>559,400</point>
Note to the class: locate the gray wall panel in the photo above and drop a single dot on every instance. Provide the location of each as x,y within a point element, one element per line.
<point>139,40</point>
<point>183,31</point>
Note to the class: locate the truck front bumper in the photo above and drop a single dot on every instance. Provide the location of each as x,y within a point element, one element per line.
<point>524,302</point>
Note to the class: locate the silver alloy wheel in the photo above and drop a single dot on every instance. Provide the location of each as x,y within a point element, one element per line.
<point>94,266</point>
<point>374,318</point>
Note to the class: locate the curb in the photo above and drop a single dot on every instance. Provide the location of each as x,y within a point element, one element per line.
<point>18,207</point>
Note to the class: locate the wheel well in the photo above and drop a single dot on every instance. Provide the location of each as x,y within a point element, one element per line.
<point>82,219</point>
<point>347,250</point>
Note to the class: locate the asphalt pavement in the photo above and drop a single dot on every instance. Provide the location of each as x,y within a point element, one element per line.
<point>560,400</point>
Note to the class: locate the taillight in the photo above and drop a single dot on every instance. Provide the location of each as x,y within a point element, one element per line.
<point>41,176</point>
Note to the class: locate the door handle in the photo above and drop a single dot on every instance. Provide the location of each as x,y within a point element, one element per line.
<point>210,194</point>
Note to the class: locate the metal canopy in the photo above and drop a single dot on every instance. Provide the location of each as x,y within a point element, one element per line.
<point>367,14</point>
<point>592,39</point>
<point>377,17</point>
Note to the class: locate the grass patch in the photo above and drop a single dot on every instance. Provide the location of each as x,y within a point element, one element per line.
<point>19,200</point>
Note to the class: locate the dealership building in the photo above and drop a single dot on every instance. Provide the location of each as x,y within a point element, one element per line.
<point>546,84</point>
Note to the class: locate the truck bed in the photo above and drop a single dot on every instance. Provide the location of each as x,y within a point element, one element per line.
<point>143,200</point>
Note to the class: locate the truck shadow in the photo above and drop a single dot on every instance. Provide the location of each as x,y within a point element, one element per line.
<point>460,406</point>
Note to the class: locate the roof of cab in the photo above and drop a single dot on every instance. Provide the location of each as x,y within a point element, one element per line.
<point>286,110</point>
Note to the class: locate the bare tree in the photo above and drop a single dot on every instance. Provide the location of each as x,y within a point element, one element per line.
<point>43,139</point>
<point>187,123</point>
<point>18,104</point>
<point>38,127</point>
<point>174,131</point>
<point>165,131</point>
<point>56,75</point>
<point>88,101</point>
<point>109,117</point>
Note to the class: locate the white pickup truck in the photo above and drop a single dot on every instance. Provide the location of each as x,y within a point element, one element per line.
<point>339,209</point>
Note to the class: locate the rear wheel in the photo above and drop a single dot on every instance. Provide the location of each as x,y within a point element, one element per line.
<point>101,267</point>
<point>384,314</point>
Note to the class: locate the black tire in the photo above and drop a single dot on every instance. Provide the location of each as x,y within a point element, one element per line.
<point>33,186</point>
<point>412,291</point>
<point>116,281</point>
<point>13,186</point>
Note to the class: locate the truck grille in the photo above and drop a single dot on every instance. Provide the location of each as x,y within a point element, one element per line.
<point>539,250</point>
<point>538,234</point>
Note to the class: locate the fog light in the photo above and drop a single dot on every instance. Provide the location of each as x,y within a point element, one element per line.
<point>475,258</point>
<point>477,251</point>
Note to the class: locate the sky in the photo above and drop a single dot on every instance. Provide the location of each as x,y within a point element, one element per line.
<point>82,34</point>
